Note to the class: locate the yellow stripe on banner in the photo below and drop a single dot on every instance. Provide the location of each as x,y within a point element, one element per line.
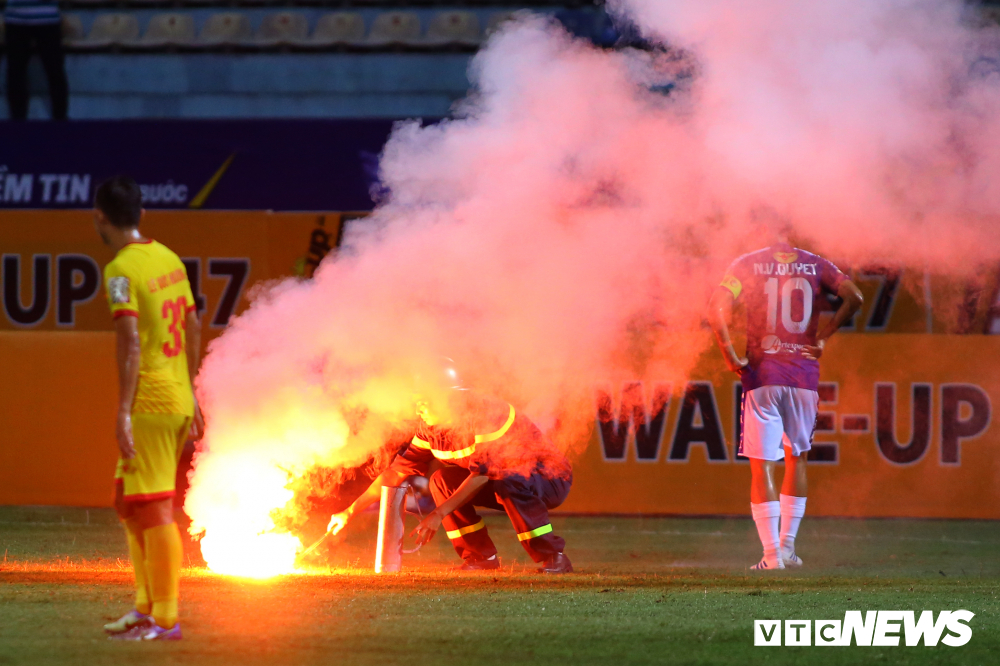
<point>544,529</point>
<point>499,433</point>
<point>468,529</point>
<point>199,199</point>
<point>452,455</point>
<point>419,443</point>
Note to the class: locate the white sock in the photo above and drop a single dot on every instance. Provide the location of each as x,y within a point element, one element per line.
<point>766,515</point>
<point>792,510</point>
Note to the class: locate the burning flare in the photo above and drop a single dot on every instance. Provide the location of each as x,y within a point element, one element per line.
<point>242,484</point>
<point>242,541</point>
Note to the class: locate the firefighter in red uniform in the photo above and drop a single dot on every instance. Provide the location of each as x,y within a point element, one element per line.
<point>485,454</point>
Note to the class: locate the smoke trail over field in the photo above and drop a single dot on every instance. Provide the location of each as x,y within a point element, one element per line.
<point>872,125</point>
<point>566,228</point>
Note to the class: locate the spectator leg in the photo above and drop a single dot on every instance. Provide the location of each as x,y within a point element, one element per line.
<point>50,50</point>
<point>18,52</point>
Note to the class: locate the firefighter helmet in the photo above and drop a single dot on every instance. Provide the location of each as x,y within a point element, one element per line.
<point>452,378</point>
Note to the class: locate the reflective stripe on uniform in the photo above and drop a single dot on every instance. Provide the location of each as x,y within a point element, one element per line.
<point>452,455</point>
<point>469,450</point>
<point>443,455</point>
<point>468,529</point>
<point>480,439</point>
<point>537,532</point>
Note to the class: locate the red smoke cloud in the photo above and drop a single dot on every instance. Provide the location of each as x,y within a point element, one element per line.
<point>566,228</point>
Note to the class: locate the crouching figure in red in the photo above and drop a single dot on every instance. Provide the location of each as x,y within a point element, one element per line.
<point>480,451</point>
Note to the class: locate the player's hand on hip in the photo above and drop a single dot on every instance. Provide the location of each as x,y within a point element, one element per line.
<point>427,528</point>
<point>123,432</point>
<point>338,521</point>
<point>813,352</point>
<point>737,365</point>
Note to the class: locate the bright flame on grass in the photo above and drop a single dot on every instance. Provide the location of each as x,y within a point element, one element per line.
<point>243,478</point>
<point>253,556</point>
<point>240,539</point>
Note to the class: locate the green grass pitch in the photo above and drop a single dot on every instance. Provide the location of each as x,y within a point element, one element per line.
<point>647,591</point>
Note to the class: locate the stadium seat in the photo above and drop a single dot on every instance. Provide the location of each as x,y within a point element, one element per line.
<point>497,19</point>
<point>283,28</point>
<point>226,29</point>
<point>395,29</point>
<point>110,30</point>
<point>338,29</point>
<point>72,29</point>
<point>165,30</point>
<point>453,28</point>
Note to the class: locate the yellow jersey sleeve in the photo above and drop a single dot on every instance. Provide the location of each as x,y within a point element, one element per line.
<point>122,290</point>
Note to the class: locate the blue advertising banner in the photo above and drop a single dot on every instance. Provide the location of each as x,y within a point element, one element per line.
<point>291,165</point>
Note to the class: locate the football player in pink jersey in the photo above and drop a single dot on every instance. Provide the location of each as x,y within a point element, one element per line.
<point>780,287</point>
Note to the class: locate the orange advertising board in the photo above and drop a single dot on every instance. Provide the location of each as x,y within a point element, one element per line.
<point>52,261</point>
<point>58,399</point>
<point>905,425</point>
<point>904,429</point>
<point>57,358</point>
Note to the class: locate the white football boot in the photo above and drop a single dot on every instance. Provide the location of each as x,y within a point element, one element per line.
<point>764,566</point>
<point>131,619</point>
<point>790,559</point>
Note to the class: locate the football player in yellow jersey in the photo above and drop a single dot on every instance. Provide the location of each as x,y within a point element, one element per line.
<point>158,341</point>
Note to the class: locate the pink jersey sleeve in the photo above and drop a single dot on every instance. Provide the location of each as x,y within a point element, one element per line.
<point>831,277</point>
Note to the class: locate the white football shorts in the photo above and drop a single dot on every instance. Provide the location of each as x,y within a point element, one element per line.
<point>774,417</point>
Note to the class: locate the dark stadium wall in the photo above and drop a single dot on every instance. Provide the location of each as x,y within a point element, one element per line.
<point>202,164</point>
